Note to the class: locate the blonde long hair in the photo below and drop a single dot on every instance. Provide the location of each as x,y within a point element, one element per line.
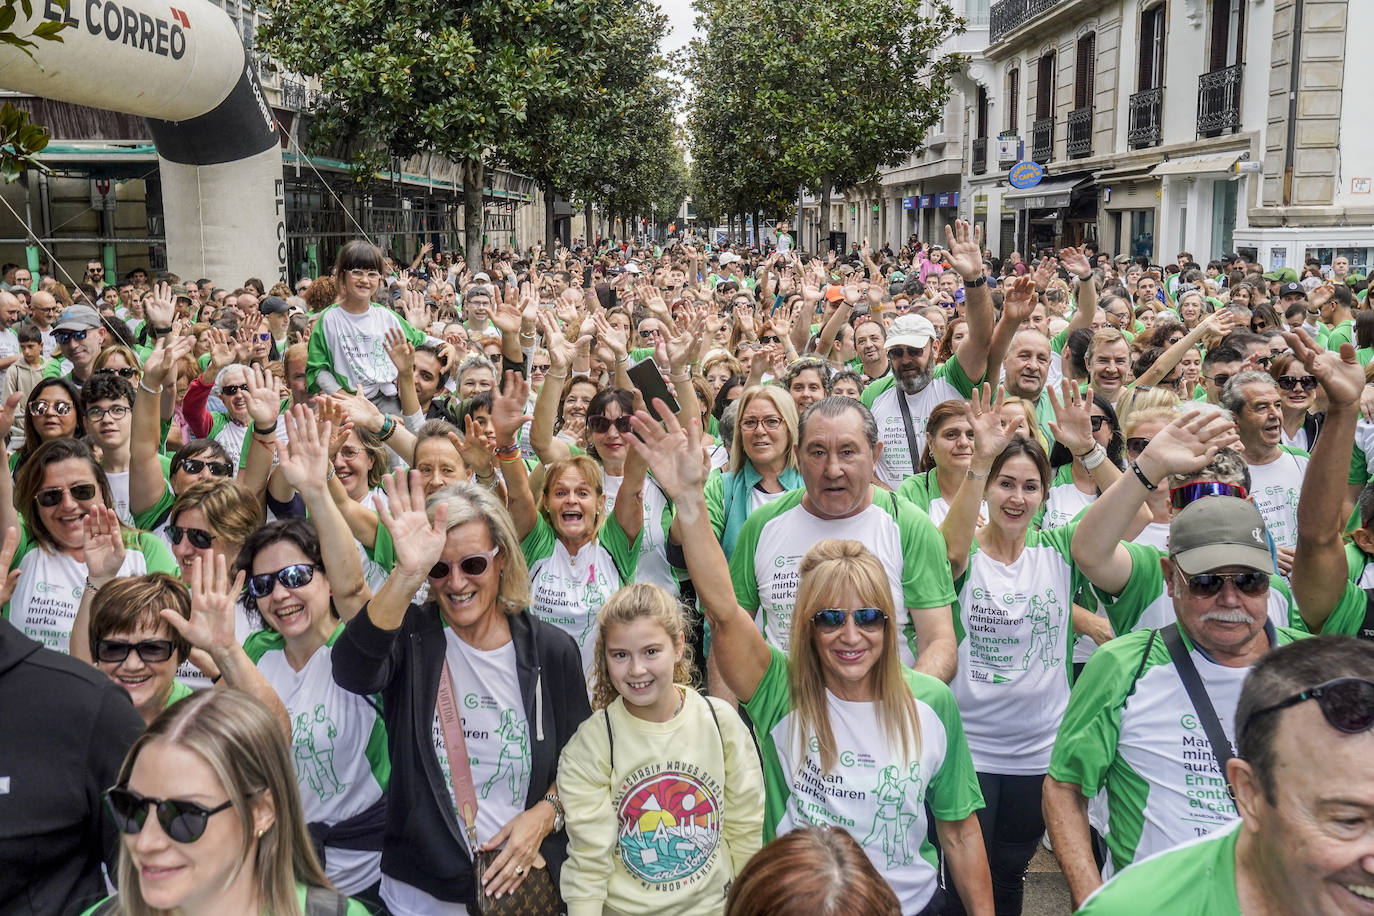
<point>631,603</point>
<point>786,408</point>
<point>831,569</point>
<point>243,744</point>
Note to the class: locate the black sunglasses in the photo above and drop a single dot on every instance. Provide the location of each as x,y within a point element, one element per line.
<point>600,424</point>
<point>1098,423</point>
<point>770,339</point>
<point>1220,380</point>
<point>1290,382</point>
<point>830,619</point>
<point>124,373</point>
<point>1136,444</point>
<point>1250,583</point>
<point>471,566</point>
<point>114,651</point>
<point>217,468</point>
<point>1191,492</point>
<point>183,821</point>
<point>82,492</point>
<point>1346,702</point>
<point>905,352</point>
<point>297,575</point>
<point>229,391</point>
<point>63,336</point>
<point>200,539</point>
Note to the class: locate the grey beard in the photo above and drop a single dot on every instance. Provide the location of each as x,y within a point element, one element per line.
<point>911,384</point>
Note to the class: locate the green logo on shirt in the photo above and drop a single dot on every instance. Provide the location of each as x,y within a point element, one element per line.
<point>891,831</point>
<point>312,741</point>
<point>510,766</point>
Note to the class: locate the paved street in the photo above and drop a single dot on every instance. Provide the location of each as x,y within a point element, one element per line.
<point>1046,892</point>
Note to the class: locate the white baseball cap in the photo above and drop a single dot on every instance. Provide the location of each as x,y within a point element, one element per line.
<point>910,331</point>
<point>728,258</point>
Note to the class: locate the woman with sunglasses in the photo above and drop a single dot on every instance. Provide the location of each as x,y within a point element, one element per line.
<point>306,580</point>
<point>120,360</point>
<point>529,695</point>
<point>211,819</point>
<point>1298,389</point>
<point>51,411</point>
<point>53,494</point>
<point>213,519</point>
<point>848,735</point>
<point>228,380</point>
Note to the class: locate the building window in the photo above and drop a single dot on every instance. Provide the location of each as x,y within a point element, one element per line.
<point>1152,29</point>
<point>1013,99</point>
<point>1228,34</point>
<point>1085,65</point>
<point>1044,87</point>
<point>981,113</point>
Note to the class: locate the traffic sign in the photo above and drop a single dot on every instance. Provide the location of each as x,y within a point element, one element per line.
<point>1026,174</point>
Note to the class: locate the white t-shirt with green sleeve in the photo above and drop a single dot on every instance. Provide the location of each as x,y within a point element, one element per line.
<point>1196,878</point>
<point>896,462</point>
<point>767,558</point>
<point>1015,630</point>
<point>877,792</point>
<point>653,565</point>
<point>339,747</point>
<point>568,591</point>
<point>1131,729</point>
<point>51,584</point>
<point>353,348</point>
<point>1064,502</point>
<point>1275,487</point>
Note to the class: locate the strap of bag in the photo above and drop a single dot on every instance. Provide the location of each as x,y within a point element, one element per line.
<point>910,429</point>
<point>324,901</point>
<point>610,736</point>
<point>1202,703</point>
<point>459,763</point>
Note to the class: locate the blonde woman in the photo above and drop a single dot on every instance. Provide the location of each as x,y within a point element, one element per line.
<point>849,737</point>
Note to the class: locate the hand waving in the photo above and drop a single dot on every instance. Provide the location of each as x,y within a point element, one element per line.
<point>214,599</point>
<point>1072,424</point>
<point>419,542</point>
<point>305,461</point>
<point>104,548</point>
<point>675,455</point>
<point>965,249</point>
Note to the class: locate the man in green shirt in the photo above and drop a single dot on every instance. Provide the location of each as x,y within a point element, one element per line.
<point>1304,790</point>
<point>1337,304</point>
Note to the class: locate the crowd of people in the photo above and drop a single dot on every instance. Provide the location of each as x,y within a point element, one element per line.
<point>688,578</point>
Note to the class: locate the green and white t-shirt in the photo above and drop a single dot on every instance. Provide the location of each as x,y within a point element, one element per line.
<point>353,348</point>
<point>568,591</point>
<point>767,558</point>
<point>339,747</point>
<point>1275,487</point>
<point>1196,878</point>
<point>877,793</point>
<point>1140,739</point>
<point>652,565</point>
<point>1064,501</point>
<point>1015,629</point>
<point>923,491</point>
<point>51,584</point>
<point>949,383</point>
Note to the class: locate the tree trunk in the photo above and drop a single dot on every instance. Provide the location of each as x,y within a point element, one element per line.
<point>474,176</point>
<point>589,234</point>
<point>823,229</point>
<point>758,227</point>
<point>548,219</point>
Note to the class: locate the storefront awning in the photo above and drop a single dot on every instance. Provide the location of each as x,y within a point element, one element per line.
<point>1124,174</point>
<point>1047,194</point>
<point>1210,164</point>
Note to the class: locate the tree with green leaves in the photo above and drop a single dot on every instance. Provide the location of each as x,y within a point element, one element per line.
<point>402,77</point>
<point>20,139</point>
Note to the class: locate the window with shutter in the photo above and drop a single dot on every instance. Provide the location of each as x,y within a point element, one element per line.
<point>1084,68</point>
<point>1044,87</point>
<point>1013,99</point>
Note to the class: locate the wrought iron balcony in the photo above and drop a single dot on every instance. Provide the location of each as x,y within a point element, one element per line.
<point>1042,139</point>
<point>980,155</point>
<point>1218,101</point>
<point>1007,15</point>
<point>1081,132</point>
<point>293,94</point>
<point>1146,121</point>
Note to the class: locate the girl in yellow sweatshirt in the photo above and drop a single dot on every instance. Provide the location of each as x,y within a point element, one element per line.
<point>662,787</point>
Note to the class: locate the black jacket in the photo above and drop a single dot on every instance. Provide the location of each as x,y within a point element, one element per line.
<point>423,845</point>
<point>65,729</point>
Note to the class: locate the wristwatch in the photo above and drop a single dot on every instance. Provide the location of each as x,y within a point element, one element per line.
<point>553,799</point>
<point>980,280</point>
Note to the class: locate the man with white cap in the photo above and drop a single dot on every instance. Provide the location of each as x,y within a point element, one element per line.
<point>902,401</point>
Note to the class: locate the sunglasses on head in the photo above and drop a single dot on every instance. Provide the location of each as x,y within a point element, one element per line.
<point>830,619</point>
<point>600,424</point>
<point>183,821</point>
<point>82,492</point>
<point>217,468</point>
<point>297,575</point>
<point>1191,492</point>
<point>60,408</point>
<point>63,336</point>
<point>114,651</point>
<point>1291,382</point>
<point>200,538</point>
<point>229,391</point>
<point>1207,585</point>
<point>472,565</point>
<point>1347,703</point>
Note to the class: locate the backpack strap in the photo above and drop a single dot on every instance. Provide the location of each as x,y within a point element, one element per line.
<point>1202,703</point>
<point>325,901</point>
<point>610,736</point>
<point>107,907</point>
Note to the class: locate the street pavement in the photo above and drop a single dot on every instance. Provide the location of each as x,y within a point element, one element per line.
<point>1046,892</point>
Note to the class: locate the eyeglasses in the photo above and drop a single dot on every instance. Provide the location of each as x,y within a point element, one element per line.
<point>830,619</point>
<point>1191,492</point>
<point>115,651</point>
<point>96,414</point>
<point>770,339</point>
<point>1098,423</point>
<point>200,538</point>
<point>217,468</point>
<point>753,423</point>
<point>472,565</point>
<point>1218,380</point>
<point>601,424</point>
<point>183,821</point>
<point>1264,360</point>
<point>1347,703</point>
<point>265,335</point>
<point>651,332</point>
<point>42,408</point>
<point>124,373</point>
<point>1207,585</point>
<point>229,391</point>
<point>1291,382</point>
<point>82,492</point>
<point>63,337</point>
<point>905,352</point>
<point>540,367</point>
<point>1136,444</point>
<point>358,273</point>
<point>297,575</point>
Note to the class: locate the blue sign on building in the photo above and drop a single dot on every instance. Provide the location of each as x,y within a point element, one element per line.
<point>1026,174</point>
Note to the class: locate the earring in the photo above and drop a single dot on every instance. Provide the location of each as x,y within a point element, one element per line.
<point>261,831</point>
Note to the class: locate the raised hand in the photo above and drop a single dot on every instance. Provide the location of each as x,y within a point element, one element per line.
<point>675,455</point>
<point>475,446</point>
<point>1019,299</point>
<point>990,437</point>
<point>508,315</point>
<point>1072,423</point>
<point>561,351</point>
<point>264,398</point>
<point>11,579</point>
<point>400,350</point>
<point>1075,261</point>
<point>104,547</point>
<point>357,409</point>
<point>1340,373</point>
<point>221,349</point>
<point>965,252</point>
<point>418,541</point>
<point>162,308</point>
<point>1187,444</point>
<point>1042,275</point>
<point>611,336</point>
<point>508,409</point>
<point>304,462</point>
<point>214,598</point>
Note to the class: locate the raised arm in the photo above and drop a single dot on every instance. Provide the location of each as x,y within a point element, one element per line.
<point>1075,260</point>
<point>1072,425</point>
<point>9,515</point>
<point>146,480</point>
<point>966,256</point>
<point>402,353</point>
<point>1219,323</point>
<point>681,351</point>
<point>548,447</point>
<point>419,542</point>
<point>507,416</point>
<point>811,300</point>
<point>104,554</point>
<point>1017,305</point>
<point>989,439</point>
<point>1319,564</point>
<point>680,467</point>
<point>508,316</point>
<point>264,405</point>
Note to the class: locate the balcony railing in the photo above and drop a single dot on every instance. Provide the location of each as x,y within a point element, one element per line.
<point>980,155</point>
<point>1007,15</point>
<point>293,94</point>
<point>1042,139</point>
<point>1081,132</point>
<point>1146,122</point>
<point>1218,101</point>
